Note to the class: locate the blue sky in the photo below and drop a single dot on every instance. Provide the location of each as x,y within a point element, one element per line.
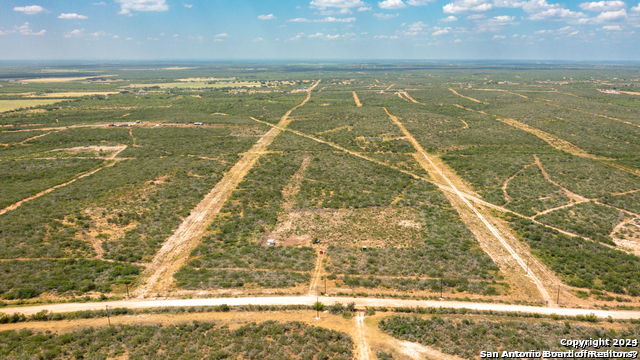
<point>319,29</point>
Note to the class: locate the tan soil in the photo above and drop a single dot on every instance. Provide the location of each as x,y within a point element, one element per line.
<point>355,98</point>
<point>627,235</point>
<point>468,98</point>
<point>390,86</point>
<point>109,152</point>
<point>410,98</point>
<point>505,91</point>
<point>394,227</point>
<point>176,249</point>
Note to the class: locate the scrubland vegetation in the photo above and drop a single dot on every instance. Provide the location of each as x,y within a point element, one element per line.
<point>270,339</point>
<point>467,337</point>
<point>65,240</point>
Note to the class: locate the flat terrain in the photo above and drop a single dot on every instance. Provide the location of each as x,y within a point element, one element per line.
<point>393,185</point>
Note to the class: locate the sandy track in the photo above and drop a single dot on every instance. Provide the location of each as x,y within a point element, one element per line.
<point>505,91</point>
<point>33,197</point>
<point>176,249</point>
<point>361,339</point>
<point>570,194</point>
<point>310,300</point>
<point>505,185</point>
<point>468,98</point>
<point>486,242</point>
<point>355,98</point>
<point>590,113</point>
<point>315,277</point>
<point>410,98</point>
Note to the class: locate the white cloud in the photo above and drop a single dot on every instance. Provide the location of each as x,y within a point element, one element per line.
<point>636,8</point>
<point>385,16</point>
<point>25,29</point>
<point>29,10</point>
<point>392,37</point>
<point>419,2</point>
<point>129,39</point>
<point>438,31</point>
<point>100,3</point>
<point>612,27</point>
<point>126,6</point>
<point>1,33</point>
<point>74,33</point>
<point>541,10</point>
<point>391,4</point>
<point>218,40</point>
<point>602,6</point>
<point>325,20</point>
<point>176,35</point>
<point>611,16</point>
<point>342,11</point>
<point>73,16</point>
<point>99,33</point>
<point>223,35</point>
<point>188,6</point>
<point>466,6</point>
<point>266,17</point>
<point>476,17</point>
<point>332,37</point>
<point>364,8</point>
<point>449,19</point>
<point>258,39</point>
<point>323,4</point>
<point>316,35</point>
<point>509,3</point>
<point>116,37</point>
<point>498,37</point>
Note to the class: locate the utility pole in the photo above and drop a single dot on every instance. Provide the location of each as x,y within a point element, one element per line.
<point>127,285</point>
<point>108,318</point>
<point>441,288</point>
<point>325,285</point>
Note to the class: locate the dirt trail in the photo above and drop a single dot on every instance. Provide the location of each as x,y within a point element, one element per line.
<point>410,98</point>
<point>590,113</point>
<point>625,193</point>
<point>176,249</point>
<point>377,339</point>
<point>390,86</point>
<point>133,138</point>
<point>552,140</point>
<point>362,350</point>
<point>33,197</point>
<point>355,97</point>
<point>485,241</point>
<point>36,137</point>
<point>315,277</point>
<point>506,184</point>
<point>555,141</point>
<point>468,98</point>
<point>505,91</point>
<point>570,194</point>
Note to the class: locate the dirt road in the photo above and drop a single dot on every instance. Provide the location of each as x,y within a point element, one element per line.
<point>436,173</point>
<point>355,98</point>
<point>33,197</point>
<point>469,98</point>
<point>310,300</point>
<point>176,249</point>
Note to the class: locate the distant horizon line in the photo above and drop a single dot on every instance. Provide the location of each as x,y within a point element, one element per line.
<point>315,61</point>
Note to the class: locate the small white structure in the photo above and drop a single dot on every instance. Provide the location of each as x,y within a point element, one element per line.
<point>271,242</point>
<point>198,123</point>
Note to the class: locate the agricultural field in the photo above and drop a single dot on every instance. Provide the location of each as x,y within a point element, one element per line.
<point>418,180</point>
